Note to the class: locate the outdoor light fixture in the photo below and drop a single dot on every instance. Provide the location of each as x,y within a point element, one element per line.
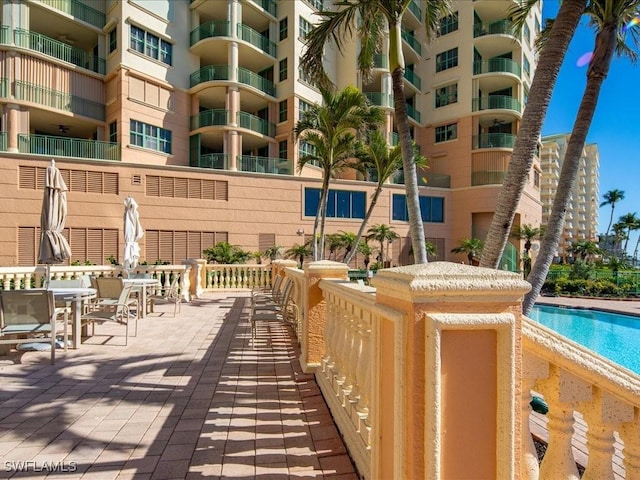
<point>300,231</point>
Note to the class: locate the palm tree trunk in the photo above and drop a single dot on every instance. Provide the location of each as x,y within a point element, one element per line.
<point>598,69</point>
<point>416,227</point>
<point>524,149</point>
<point>323,216</point>
<point>361,230</point>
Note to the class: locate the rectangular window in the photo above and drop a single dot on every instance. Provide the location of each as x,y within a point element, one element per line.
<point>526,33</point>
<point>317,4</point>
<point>283,69</point>
<point>113,40</point>
<point>446,132</point>
<point>448,24</point>
<point>340,203</point>
<point>446,60</point>
<point>446,95</point>
<point>283,111</point>
<point>151,45</point>
<point>113,132</point>
<point>305,27</point>
<point>284,28</point>
<point>150,136</point>
<point>525,65</point>
<point>282,149</point>
<point>303,107</point>
<point>431,208</point>
<point>537,25</point>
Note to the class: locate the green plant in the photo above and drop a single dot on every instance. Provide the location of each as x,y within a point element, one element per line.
<point>226,254</point>
<point>112,260</point>
<point>582,270</point>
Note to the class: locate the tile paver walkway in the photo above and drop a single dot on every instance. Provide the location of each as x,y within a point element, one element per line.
<point>187,398</point>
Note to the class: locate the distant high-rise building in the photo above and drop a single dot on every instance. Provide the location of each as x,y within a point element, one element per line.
<point>581,218</point>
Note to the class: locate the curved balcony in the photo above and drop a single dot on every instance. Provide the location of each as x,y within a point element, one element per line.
<point>209,73</point>
<point>249,35</point>
<point>79,10</point>
<point>217,161</point>
<point>268,6</point>
<point>494,140</point>
<point>497,65</point>
<point>411,40</point>
<point>215,28</point>
<point>68,147</point>
<point>412,78</point>
<point>254,80</point>
<point>210,118</point>
<point>489,168</point>
<point>256,124</point>
<point>413,113</point>
<point>380,61</point>
<point>53,48</point>
<point>500,27</point>
<point>59,100</point>
<point>278,166</point>
<point>496,102</point>
<point>380,99</point>
<point>223,73</point>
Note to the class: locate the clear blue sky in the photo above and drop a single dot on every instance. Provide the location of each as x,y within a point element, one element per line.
<point>616,124</point>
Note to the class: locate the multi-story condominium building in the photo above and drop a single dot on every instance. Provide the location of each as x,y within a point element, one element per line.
<point>581,218</point>
<point>190,108</point>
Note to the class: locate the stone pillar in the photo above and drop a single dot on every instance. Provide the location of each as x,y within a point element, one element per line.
<point>278,267</point>
<point>197,276</point>
<point>311,336</point>
<point>450,373</point>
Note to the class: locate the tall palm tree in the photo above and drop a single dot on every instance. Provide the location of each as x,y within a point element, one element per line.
<point>333,128</point>
<point>348,241</point>
<point>549,63</point>
<point>609,18</point>
<point>611,198</point>
<point>585,249</point>
<point>371,21</point>
<point>382,233</point>
<point>472,247</point>
<point>298,252</point>
<point>629,221</point>
<point>528,234</point>
<point>376,154</point>
<point>619,234</point>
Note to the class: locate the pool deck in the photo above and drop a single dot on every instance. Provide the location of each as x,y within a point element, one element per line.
<point>539,422</point>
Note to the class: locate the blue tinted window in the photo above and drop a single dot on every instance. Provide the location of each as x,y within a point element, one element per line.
<point>340,203</point>
<point>311,200</point>
<point>431,208</point>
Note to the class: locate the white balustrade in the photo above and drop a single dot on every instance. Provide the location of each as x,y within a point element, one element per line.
<point>236,276</point>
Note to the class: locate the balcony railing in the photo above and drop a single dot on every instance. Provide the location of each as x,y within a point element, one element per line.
<point>209,73</point>
<point>4,87</point>
<point>29,92</point>
<point>5,35</point>
<point>248,34</point>
<point>268,6</point>
<point>413,113</point>
<point>278,166</point>
<point>3,141</point>
<point>489,170</point>
<point>216,28</point>
<point>79,10</point>
<point>411,40</point>
<point>495,65</point>
<point>380,99</point>
<point>501,27</point>
<point>415,9</point>
<point>218,161</point>
<point>56,49</point>
<point>496,102</point>
<point>494,140</point>
<point>380,61</point>
<point>424,179</point>
<point>254,80</point>
<point>210,118</point>
<point>68,147</point>
<point>414,79</point>
<point>257,124</point>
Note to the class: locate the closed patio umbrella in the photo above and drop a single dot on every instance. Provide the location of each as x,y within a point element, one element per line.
<point>54,248</point>
<point>132,233</point>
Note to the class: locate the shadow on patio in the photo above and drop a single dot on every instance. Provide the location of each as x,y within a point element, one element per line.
<point>188,398</point>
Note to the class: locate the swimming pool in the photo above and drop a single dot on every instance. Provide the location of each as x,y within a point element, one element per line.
<point>612,335</point>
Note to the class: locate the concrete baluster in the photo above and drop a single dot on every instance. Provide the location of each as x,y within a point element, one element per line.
<point>329,335</point>
<point>630,435</point>
<point>533,369</point>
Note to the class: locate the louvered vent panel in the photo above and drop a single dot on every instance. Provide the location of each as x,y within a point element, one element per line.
<point>179,247</point>
<point>94,246</point>
<point>110,244</point>
<point>78,182</point>
<point>27,178</point>
<point>208,190</point>
<point>151,245</point>
<point>94,182</point>
<point>153,186</point>
<point>266,240</point>
<point>222,237</point>
<point>195,188</point>
<point>165,246</point>
<point>27,244</point>
<point>110,184</point>
<point>66,176</point>
<point>221,190</point>
<point>181,187</point>
<point>40,173</point>
<point>194,245</point>
<point>78,244</point>
<point>208,241</point>
<point>166,187</point>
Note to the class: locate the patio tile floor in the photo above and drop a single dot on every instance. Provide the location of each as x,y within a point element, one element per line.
<point>187,398</point>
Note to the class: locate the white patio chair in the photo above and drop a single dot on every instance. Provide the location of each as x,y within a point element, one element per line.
<point>122,312</point>
<point>30,316</point>
<point>170,296</point>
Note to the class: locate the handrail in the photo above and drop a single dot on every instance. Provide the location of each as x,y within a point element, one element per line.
<point>68,147</point>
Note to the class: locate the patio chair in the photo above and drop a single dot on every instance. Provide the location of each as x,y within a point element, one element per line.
<point>274,300</point>
<point>170,296</point>
<point>109,290</point>
<point>282,311</point>
<point>31,317</point>
<point>123,311</point>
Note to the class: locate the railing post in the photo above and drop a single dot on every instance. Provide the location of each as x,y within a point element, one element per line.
<point>311,337</point>
<point>451,375</point>
<point>198,276</point>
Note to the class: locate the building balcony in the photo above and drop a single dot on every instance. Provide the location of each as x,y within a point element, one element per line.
<point>68,147</point>
<point>414,79</point>
<point>249,35</point>
<point>3,141</point>
<point>380,61</point>
<point>380,99</point>
<point>489,168</point>
<point>501,27</point>
<point>497,65</point>
<point>53,48</point>
<point>218,161</point>
<point>79,10</point>
<point>256,124</point>
<point>268,6</point>
<point>415,10</point>
<point>494,140</point>
<point>425,179</point>
<point>210,118</point>
<point>277,166</point>
<point>413,113</point>
<point>245,76</point>
<point>496,102</point>
<point>412,41</point>
<point>63,101</point>
<point>215,28</point>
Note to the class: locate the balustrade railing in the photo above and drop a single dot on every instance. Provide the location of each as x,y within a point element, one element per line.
<point>236,276</point>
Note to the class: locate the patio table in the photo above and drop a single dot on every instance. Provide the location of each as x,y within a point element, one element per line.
<point>74,296</point>
<point>140,285</point>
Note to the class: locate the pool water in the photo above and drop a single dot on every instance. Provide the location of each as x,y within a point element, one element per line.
<point>612,335</point>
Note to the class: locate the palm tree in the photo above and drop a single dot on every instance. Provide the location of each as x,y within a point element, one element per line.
<point>611,198</point>
<point>376,155</point>
<point>550,60</point>
<point>619,234</point>
<point>382,233</point>
<point>472,247</point>
<point>348,240</point>
<point>528,234</point>
<point>366,251</point>
<point>585,249</point>
<point>367,19</point>
<point>273,252</point>
<point>334,242</point>
<point>609,18</point>
<point>332,128</point>
<point>298,252</point>
<point>630,221</point>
